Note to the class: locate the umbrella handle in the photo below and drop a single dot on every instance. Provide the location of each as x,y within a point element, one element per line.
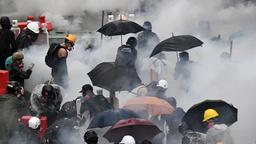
<point>231,47</point>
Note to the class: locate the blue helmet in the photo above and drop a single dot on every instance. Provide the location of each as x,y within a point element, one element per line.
<point>147,25</point>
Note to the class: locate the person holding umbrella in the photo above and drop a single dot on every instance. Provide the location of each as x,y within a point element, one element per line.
<point>127,54</point>
<point>182,70</point>
<point>216,133</point>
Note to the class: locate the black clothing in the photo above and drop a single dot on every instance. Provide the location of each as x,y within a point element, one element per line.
<point>126,56</point>
<point>7,45</point>
<point>60,71</point>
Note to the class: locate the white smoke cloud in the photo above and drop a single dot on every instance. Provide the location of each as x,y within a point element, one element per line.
<point>212,78</point>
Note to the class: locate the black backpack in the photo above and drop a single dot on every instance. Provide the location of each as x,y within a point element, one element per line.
<point>51,56</point>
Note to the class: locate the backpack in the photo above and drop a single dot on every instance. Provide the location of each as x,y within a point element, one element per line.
<point>51,56</point>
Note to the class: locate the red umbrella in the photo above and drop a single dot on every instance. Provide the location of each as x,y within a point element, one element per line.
<point>140,129</point>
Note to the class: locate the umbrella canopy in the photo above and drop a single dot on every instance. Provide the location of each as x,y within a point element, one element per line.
<point>140,129</point>
<point>110,117</point>
<point>153,105</point>
<point>120,27</point>
<point>114,78</point>
<point>194,116</point>
<point>177,43</point>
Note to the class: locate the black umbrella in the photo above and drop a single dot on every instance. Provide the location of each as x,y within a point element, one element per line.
<point>194,116</point>
<point>120,27</point>
<point>114,78</point>
<point>177,43</point>
<point>110,117</point>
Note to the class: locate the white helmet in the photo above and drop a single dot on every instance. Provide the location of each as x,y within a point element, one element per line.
<point>163,84</point>
<point>127,140</point>
<point>33,26</point>
<point>34,122</point>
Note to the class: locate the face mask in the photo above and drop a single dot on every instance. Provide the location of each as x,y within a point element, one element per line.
<point>21,66</point>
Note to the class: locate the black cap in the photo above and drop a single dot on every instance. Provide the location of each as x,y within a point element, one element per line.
<point>132,41</point>
<point>47,88</point>
<point>86,87</point>
<point>90,136</point>
<point>5,22</point>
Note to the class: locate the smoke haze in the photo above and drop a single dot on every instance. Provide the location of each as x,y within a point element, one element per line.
<point>212,78</point>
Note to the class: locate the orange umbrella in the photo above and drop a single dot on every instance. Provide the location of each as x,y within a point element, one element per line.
<point>153,105</point>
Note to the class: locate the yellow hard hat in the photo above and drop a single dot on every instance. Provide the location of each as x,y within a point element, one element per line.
<point>209,114</point>
<point>71,38</point>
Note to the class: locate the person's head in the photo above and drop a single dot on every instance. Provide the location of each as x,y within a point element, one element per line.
<point>17,59</point>
<point>147,25</point>
<point>47,92</point>
<point>162,84</point>
<point>5,22</point>
<point>132,41</point>
<point>90,137</point>
<point>14,87</point>
<point>34,123</point>
<point>172,101</point>
<point>70,40</point>
<point>210,117</point>
<point>33,30</point>
<point>127,140</point>
<point>86,88</point>
<point>184,56</point>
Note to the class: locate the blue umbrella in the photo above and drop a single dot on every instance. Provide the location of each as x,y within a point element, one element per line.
<point>110,117</point>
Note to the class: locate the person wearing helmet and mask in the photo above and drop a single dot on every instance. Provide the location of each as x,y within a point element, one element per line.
<point>7,41</point>
<point>26,133</point>
<point>14,64</point>
<point>48,103</point>
<point>90,137</point>
<point>217,133</point>
<point>58,60</point>
<point>147,39</point>
<point>28,36</point>
<point>158,89</point>
<point>127,54</point>
<point>12,107</point>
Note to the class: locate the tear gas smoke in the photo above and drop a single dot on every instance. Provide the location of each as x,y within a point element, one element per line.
<point>212,78</point>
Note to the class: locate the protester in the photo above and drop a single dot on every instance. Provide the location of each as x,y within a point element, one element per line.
<point>217,133</point>
<point>147,39</point>
<point>127,54</point>
<point>14,64</point>
<point>48,103</point>
<point>189,136</point>
<point>182,68</point>
<point>56,59</point>
<point>173,122</point>
<point>91,102</point>
<point>27,37</point>
<point>26,134</point>
<point>90,137</point>
<point>7,41</point>
<point>157,89</point>
<point>12,107</point>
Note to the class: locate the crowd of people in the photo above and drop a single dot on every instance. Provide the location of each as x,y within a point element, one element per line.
<point>23,113</point>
